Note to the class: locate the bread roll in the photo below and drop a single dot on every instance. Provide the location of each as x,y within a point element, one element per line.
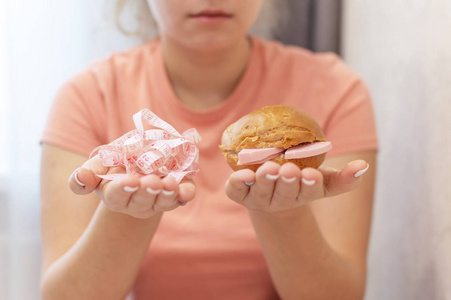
<point>272,127</point>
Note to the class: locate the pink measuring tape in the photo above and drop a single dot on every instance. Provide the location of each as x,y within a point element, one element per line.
<point>163,152</point>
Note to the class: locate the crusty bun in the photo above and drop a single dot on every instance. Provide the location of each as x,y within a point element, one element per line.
<point>271,127</point>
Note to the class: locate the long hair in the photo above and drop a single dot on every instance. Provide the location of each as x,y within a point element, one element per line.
<point>134,18</point>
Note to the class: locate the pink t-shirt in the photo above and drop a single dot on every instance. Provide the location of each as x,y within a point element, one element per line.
<point>208,249</point>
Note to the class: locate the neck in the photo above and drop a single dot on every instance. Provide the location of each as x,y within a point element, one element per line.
<point>202,80</point>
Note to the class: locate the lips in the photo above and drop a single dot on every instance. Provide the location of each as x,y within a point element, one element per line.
<point>211,16</point>
<point>213,13</point>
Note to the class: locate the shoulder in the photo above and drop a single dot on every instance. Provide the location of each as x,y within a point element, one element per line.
<point>131,59</point>
<point>298,62</point>
<point>324,86</point>
<point>106,92</point>
<point>274,52</point>
<point>120,66</point>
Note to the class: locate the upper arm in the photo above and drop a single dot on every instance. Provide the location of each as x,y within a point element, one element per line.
<point>345,220</point>
<point>64,215</point>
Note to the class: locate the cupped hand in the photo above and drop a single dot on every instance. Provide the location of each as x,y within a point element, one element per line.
<point>138,197</point>
<point>277,188</point>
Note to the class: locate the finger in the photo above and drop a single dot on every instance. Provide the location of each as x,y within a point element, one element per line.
<point>117,193</point>
<point>265,178</point>
<point>311,185</point>
<point>84,180</point>
<point>338,182</point>
<point>167,198</point>
<point>142,201</point>
<point>287,186</point>
<point>238,185</point>
<point>187,191</point>
<point>119,170</point>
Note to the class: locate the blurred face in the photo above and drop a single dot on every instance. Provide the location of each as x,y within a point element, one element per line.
<point>204,24</point>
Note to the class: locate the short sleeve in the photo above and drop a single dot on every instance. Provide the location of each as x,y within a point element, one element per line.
<point>74,119</point>
<point>350,125</point>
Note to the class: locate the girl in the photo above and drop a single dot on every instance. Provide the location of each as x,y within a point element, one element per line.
<point>287,234</point>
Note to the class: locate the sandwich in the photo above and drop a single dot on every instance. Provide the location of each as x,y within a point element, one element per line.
<point>276,133</point>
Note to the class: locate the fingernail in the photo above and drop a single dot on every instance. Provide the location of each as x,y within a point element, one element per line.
<point>182,203</point>
<point>361,172</point>
<point>168,193</point>
<point>78,180</point>
<point>249,183</point>
<point>152,191</point>
<point>289,180</point>
<point>308,182</point>
<point>130,189</point>
<point>272,177</point>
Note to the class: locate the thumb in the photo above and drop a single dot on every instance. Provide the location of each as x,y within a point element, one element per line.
<point>349,178</point>
<point>84,180</point>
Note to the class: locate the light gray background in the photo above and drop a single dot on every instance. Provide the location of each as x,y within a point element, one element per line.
<point>403,51</point>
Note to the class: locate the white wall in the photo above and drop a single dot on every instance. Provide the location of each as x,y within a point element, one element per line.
<point>403,51</point>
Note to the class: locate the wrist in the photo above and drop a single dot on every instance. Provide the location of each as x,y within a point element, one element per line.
<point>297,226</point>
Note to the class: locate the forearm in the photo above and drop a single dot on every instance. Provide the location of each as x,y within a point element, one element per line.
<point>104,262</point>
<point>301,263</point>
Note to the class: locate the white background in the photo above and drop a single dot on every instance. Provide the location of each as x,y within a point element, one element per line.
<point>403,51</point>
<point>401,48</point>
